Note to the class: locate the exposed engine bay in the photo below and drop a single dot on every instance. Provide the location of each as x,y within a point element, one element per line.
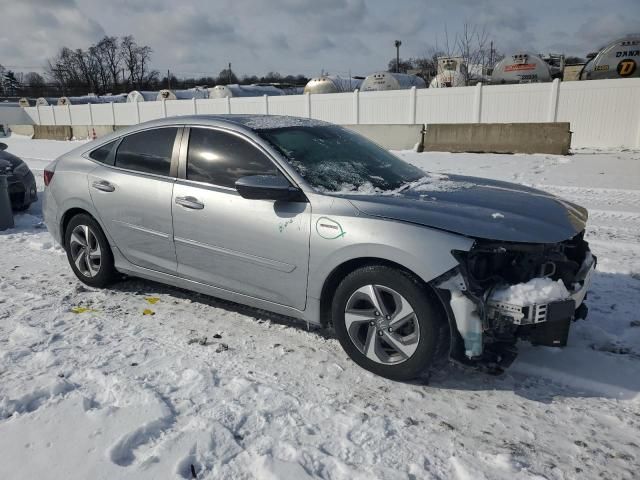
<point>484,295</point>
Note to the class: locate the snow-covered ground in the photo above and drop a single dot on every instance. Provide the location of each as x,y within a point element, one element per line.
<point>92,387</point>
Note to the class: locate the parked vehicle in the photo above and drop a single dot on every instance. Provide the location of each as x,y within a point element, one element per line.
<point>21,183</point>
<point>311,220</point>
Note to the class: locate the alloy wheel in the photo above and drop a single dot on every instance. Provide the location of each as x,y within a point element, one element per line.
<point>382,324</point>
<point>85,250</point>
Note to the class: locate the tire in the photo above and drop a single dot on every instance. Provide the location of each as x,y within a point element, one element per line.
<point>93,265</point>
<point>401,350</point>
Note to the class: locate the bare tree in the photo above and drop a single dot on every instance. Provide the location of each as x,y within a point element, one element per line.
<point>110,51</point>
<point>471,47</point>
<point>136,60</point>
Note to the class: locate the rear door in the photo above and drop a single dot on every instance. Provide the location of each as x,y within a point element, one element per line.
<point>258,248</point>
<point>132,189</point>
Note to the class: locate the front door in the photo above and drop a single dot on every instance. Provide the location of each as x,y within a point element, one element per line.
<point>258,248</point>
<point>133,197</point>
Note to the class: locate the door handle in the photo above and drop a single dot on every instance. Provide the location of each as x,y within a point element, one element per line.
<point>190,202</point>
<point>103,186</point>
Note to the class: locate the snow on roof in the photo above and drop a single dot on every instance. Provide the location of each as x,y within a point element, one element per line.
<point>267,122</point>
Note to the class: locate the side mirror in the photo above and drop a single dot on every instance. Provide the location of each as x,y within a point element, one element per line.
<point>268,187</point>
<point>3,146</point>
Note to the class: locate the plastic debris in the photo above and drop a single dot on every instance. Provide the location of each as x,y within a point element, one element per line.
<point>146,311</point>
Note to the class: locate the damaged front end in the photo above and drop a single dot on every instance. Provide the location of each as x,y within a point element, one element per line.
<point>502,292</point>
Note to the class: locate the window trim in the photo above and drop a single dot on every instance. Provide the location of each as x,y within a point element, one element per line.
<point>173,168</point>
<point>184,152</point>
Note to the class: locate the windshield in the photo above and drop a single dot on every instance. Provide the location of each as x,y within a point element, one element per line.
<point>334,159</point>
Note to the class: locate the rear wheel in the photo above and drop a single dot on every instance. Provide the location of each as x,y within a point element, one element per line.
<point>88,251</point>
<point>387,322</point>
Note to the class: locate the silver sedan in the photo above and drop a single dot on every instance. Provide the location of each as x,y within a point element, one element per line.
<point>310,220</point>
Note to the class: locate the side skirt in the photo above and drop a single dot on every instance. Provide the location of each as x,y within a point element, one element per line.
<point>125,267</point>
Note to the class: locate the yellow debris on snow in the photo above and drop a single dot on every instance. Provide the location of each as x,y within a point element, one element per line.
<point>152,300</point>
<point>146,311</point>
<point>81,309</point>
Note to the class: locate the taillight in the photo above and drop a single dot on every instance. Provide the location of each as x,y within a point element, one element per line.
<point>48,176</point>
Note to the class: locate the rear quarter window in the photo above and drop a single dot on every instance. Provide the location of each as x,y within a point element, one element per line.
<point>103,154</point>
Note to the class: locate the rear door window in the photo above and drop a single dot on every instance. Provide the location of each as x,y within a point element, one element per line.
<point>221,158</point>
<point>147,152</point>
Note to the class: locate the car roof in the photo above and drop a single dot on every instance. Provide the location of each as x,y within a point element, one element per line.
<point>235,121</point>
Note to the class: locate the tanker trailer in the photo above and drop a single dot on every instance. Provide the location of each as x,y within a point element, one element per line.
<point>522,67</point>
<point>617,60</point>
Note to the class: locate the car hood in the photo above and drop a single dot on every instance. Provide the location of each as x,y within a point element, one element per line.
<point>478,208</point>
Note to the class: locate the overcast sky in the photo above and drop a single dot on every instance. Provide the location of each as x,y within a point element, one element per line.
<point>198,37</point>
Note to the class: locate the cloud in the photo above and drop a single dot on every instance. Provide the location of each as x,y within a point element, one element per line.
<point>199,37</point>
<point>34,30</point>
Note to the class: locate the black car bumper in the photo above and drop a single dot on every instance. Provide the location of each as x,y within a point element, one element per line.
<point>22,191</point>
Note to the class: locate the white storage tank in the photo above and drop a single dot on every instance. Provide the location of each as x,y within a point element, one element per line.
<point>235,90</point>
<point>196,92</point>
<point>332,84</point>
<point>447,78</point>
<point>617,60</point>
<point>137,96</point>
<point>452,72</point>
<point>44,101</point>
<point>524,67</point>
<point>391,81</point>
<point>82,100</point>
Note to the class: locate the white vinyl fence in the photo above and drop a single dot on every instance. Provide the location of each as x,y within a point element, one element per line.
<point>602,113</point>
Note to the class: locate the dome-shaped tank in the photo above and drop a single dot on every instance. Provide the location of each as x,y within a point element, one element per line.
<point>44,101</point>
<point>391,81</point>
<point>448,78</point>
<point>234,90</point>
<point>25,102</point>
<point>136,96</point>
<point>332,84</point>
<point>522,67</point>
<point>617,60</point>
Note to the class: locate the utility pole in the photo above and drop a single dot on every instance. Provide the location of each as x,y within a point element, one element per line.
<point>229,73</point>
<point>168,80</point>
<point>491,55</point>
<point>398,43</point>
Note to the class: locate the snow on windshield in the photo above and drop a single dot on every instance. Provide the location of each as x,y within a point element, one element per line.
<point>430,183</point>
<point>332,158</point>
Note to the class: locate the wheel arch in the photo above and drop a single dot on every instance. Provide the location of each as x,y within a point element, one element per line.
<point>341,271</point>
<point>71,212</point>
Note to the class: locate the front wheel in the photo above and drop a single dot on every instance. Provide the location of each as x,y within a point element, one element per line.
<point>388,323</point>
<point>88,252</point>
